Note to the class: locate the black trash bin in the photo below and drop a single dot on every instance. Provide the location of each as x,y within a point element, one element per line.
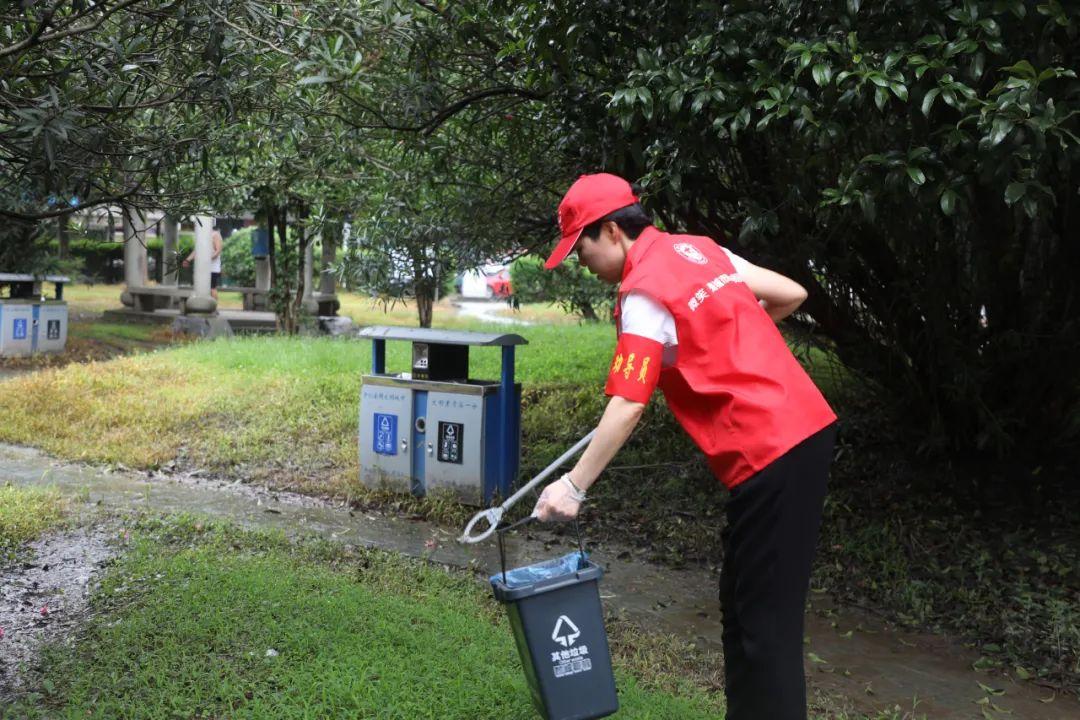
<point>558,626</point>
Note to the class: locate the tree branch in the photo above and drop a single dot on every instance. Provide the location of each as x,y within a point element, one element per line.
<point>37,39</point>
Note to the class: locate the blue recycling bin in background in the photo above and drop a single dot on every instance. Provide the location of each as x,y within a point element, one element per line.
<point>433,428</point>
<point>260,243</point>
<point>30,322</point>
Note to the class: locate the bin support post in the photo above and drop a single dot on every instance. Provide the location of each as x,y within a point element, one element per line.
<point>378,357</point>
<point>508,411</point>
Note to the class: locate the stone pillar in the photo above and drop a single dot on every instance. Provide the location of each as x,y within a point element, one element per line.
<point>308,300</point>
<point>134,253</point>
<point>328,302</point>
<point>262,274</point>
<point>201,302</point>
<point>170,234</point>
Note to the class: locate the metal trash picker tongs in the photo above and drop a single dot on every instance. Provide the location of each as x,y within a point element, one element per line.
<point>494,515</point>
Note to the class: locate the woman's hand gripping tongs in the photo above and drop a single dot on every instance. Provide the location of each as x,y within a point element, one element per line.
<point>494,515</point>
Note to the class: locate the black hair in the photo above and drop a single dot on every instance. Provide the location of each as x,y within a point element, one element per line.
<point>631,219</point>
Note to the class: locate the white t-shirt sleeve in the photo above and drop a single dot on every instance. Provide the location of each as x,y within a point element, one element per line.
<point>645,316</point>
<point>740,264</point>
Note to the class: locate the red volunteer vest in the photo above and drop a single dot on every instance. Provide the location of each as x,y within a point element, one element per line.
<point>735,387</point>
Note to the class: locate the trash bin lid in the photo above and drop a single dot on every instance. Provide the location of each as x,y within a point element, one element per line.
<point>441,337</point>
<point>588,571</point>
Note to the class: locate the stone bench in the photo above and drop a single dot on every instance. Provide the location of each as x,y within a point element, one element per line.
<point>254,298</point>
<point>149,299</point>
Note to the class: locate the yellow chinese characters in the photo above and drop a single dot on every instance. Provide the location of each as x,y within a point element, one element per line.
<point>617,365</point>
<point>644,370</point>
<point>629,367</point>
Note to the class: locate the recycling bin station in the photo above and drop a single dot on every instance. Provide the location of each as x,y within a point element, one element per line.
<point>30,322</point>
<point>434,429</point>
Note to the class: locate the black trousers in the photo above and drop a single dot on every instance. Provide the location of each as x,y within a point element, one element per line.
<point>772,531</point>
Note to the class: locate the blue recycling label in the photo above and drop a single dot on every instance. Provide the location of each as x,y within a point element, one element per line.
<point>385,434</point>
<point>20,329</point>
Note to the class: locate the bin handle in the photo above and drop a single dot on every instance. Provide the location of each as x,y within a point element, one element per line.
<point>532,518</point>
<point>494,515</point>
<point>502,546</point>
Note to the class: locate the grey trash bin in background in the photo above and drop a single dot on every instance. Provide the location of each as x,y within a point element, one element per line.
<point>30,322</point>
<point>558,625</point>
<point>435,429</point>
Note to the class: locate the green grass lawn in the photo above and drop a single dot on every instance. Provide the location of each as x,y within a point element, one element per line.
<point>83,298</point>
<point>542,313</point>
<point>25,513</point>
<point>206,621</point>
<point>245,400</point>
<point>89,298</point>
<point>114,332</point>
<point>259,399</point>
<point>367,310</point>
<point>284,411</point>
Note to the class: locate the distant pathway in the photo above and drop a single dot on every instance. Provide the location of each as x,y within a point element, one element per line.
<point>487,311</point>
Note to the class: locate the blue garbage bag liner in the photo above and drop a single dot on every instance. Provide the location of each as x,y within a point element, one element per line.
<point>530,574</point>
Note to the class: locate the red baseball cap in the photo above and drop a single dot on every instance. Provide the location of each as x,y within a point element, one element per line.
<point>590,198</point>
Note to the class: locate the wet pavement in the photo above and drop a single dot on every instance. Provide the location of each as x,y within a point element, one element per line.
<point>45,598</point>
<point>849,652</point>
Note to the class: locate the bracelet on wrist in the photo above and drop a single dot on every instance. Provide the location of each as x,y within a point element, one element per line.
<point>572,483</point>
<point>577,493</point>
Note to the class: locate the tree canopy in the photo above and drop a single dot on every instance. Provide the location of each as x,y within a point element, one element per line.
<point>911,162</point>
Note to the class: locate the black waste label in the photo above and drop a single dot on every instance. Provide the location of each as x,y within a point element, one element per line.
<point>450,439</point>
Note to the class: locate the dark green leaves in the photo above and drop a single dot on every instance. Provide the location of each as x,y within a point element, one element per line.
<point>947,201</point>
<point>1000,130</point>
<point>1014,192</point>
<point>928,100</point>
<point>822,74</point>
<point>881,97</point>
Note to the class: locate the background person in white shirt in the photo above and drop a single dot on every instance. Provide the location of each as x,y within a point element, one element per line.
<point>215,262</point>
